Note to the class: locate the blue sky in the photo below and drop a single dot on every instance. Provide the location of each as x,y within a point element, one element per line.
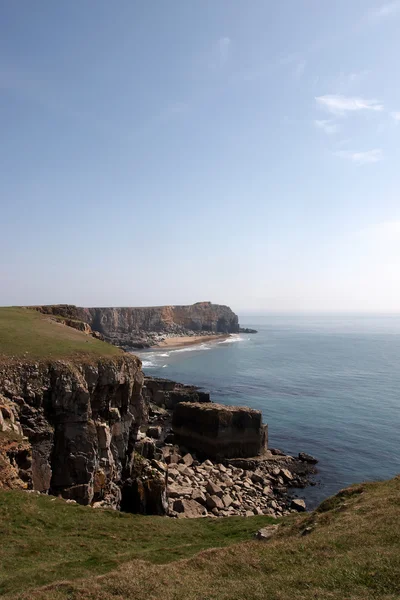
<point>170,152</point>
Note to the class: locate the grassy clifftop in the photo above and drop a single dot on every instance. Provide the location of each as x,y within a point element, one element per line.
<point>27,334</point>
<point>348,549</point>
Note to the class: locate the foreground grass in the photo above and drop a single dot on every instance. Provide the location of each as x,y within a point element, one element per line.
<point>44,539</point>
<point>27,334</point>
<point>349,549</point>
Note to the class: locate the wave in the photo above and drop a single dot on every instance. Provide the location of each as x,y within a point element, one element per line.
<point>233,339</point>
<point>194,348</point>
<point>147,364</point>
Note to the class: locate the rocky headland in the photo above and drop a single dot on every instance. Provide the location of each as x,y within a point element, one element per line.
<point>143,327</point>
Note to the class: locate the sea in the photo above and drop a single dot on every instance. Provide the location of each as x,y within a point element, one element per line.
<point>328,385</point>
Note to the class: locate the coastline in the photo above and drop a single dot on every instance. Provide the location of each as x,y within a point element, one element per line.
<point>189,340</point>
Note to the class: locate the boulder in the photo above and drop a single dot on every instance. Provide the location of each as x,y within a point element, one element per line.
<point>175,490</point>
<point>214,502</point>
<point>266,533</point>
<point>190,508</point>
<point>227,500</point>
<point>188,460</point>
<point>199,496</point>
<point>298,504</point>
<point>307,458</point>
<point>214,490</point>
<point>220,431</point>
<point>286,475</point>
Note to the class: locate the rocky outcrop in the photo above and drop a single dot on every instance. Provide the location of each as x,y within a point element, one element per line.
<point>81,421</point>
<point>130,326</point>
<point>166,393</point>
<point>220,431</point>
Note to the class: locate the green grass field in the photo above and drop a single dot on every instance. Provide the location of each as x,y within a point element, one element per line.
<point>27,334</point>
<point>349,549</point>
<point>44,539</point>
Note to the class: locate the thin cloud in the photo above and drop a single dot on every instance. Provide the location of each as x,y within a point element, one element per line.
<point>362,158</point>
<point>396,116</point>
<point>327,127</point>
<point>341,105</point>
<point>385,10</point>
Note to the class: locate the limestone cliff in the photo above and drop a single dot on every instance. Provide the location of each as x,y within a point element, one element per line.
<point>81,420</point>
<point>123,326</point>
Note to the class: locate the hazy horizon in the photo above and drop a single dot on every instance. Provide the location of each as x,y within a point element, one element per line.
<point>163,153</point>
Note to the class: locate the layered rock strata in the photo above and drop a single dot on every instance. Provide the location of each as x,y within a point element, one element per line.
<point>132,327</point>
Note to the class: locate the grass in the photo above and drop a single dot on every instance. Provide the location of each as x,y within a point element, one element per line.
<point>349,549</point>
<point>29,335</point>
<point>44,539</point>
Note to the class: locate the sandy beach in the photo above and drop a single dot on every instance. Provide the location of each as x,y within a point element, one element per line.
<point>189,340</point>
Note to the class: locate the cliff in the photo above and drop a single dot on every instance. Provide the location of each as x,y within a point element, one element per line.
<point>125,326</point>
<point>81,420</point>
<point>70,409</point>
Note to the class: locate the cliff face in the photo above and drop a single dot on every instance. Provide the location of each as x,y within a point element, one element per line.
<point>124,325</point>
<point>81,420</point>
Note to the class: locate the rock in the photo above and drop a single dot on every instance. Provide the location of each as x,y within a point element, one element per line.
<point>214,490</point>
<point>154,432</point>
<point>214,502</point>
<point>146,448</point>
<point>162,467</point>
<point>220,431</point>
<point>298,504</point>
<point>249,513</point>
<point>187,460</point>
<point>173,458</point>
<point>286,475</point>
<point>198,496</point>
<point>266,533</point>
<point>183,469</point>
<point>303,456</point>
<point>173,473</point>
<point>227,500</point>
<point>175,491</point>
<point>276,471</point>
<point>276,452</point>
<point>190,508</point>
<point>257,478</point>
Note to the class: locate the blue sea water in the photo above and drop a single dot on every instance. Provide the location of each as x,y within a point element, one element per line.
<point>326,385</point>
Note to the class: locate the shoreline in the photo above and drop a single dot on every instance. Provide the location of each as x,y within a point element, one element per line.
<point>188,340</point>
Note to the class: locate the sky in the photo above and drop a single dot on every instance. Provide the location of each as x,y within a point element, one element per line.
<point>245,153</point>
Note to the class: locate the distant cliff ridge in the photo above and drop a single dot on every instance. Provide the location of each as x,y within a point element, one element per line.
<point>126,325</point>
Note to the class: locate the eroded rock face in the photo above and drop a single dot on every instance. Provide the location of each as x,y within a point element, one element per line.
<point>81,421</point>
<point>220,431</point>
<point>124,326</point>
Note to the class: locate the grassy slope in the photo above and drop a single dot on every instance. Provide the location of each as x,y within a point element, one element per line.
<point>27,334</point>
<point>351,553</point>
<point>44,539</point>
